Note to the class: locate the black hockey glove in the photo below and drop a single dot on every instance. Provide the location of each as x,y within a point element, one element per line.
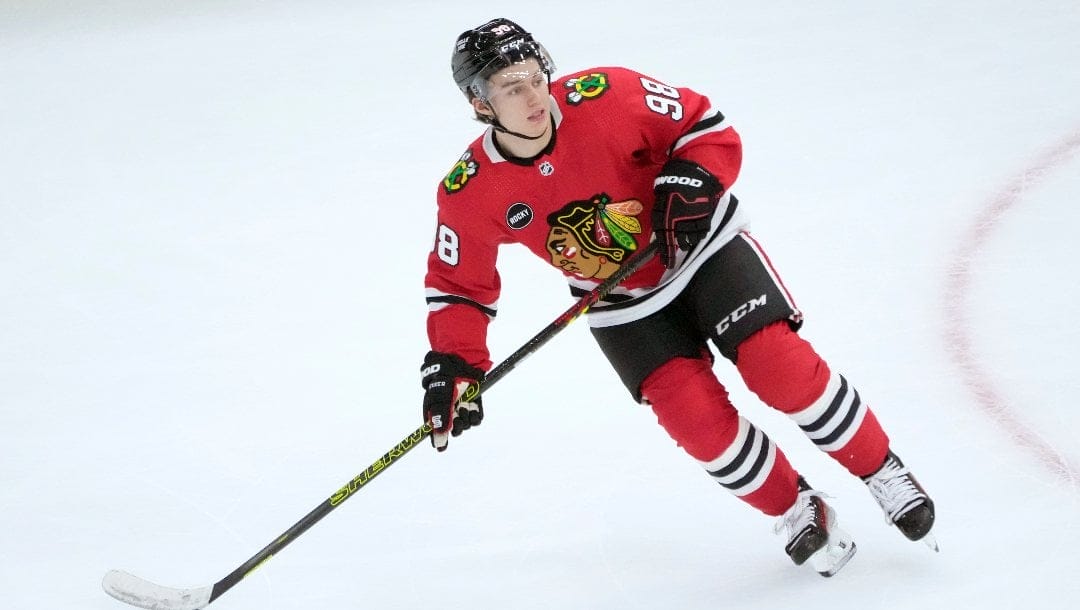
<point>444,377</point>
<point>686,197</point>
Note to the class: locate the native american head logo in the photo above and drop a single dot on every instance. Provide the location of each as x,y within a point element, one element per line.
<point>592,237</point>
<point>586,87</point>
<point>459,175</point>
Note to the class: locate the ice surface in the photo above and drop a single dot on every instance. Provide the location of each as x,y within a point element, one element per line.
<point>214,218</point>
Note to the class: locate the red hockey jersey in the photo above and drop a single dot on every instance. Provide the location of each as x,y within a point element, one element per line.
<point>583,205</point>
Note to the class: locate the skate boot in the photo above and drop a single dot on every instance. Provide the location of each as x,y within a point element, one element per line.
<point>904,501</point>
<point>813,534</point>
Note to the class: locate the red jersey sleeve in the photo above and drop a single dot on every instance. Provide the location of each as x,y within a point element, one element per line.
<point>680,122</point>
<point>462,284</point>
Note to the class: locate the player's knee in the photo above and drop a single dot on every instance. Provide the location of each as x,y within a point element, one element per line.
<point>782,368</point>
<point>692,406</point>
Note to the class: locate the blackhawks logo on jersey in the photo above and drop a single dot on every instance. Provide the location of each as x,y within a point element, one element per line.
<point>586,87</point>
<point>592,237</point>
<point>459,175</point>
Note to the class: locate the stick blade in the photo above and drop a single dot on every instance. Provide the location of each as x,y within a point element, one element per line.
<point>136,591</point>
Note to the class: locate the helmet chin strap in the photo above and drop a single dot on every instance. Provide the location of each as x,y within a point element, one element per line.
<point>499,127</point>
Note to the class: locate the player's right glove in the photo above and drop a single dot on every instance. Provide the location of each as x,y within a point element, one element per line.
<point>444,378</point>
<point>686,197</point>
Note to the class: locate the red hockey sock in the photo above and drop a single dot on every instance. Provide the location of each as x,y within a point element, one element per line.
<point>787,374</point>
<point>693,407</point>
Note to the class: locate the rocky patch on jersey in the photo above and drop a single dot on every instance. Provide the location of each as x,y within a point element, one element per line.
<point>591,238</point>
<point>459,175</point>
<point>519,215</point>
<point>590,86</point>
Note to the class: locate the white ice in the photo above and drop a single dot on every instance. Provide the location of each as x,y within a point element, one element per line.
<point>214,218</point>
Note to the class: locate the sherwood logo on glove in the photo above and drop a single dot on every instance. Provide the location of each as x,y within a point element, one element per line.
<point>682,180</point>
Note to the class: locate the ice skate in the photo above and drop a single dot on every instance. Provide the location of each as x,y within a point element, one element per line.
<point>905,502</point>
<point>813,534</point>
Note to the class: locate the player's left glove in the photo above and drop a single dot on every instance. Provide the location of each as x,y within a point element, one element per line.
<point>444,378</point>
<point>686,197</point>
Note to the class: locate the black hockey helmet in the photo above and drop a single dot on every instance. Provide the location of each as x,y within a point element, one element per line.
<point>488,48</point>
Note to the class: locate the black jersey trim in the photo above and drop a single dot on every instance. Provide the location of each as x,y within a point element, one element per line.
<point>609,298</point>
<point>456,300</point>
<point>701,125</point>
<point>704,124</point>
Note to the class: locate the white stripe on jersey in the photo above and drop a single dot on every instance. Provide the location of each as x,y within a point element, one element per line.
<point>690,137</point>
<point>438,303</point>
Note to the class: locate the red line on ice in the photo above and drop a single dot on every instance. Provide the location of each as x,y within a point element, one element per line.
<point>958,333</point>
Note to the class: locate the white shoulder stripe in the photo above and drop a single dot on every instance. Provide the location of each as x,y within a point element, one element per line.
<point>690,137</point>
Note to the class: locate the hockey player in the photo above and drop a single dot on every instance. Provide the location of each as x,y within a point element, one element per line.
<point>588,168</point>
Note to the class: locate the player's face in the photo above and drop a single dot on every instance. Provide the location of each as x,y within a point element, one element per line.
<point>520,98</point>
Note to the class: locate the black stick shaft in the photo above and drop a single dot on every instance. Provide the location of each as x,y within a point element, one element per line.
<point>631,265</point>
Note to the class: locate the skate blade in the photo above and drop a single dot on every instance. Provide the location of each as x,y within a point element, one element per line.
<point>931,542</point>
<point>829,560</point>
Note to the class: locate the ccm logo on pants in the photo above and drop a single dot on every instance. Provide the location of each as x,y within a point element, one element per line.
<point>739,313</point>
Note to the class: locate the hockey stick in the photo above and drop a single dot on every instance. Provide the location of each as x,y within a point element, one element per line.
<point>139,592</point>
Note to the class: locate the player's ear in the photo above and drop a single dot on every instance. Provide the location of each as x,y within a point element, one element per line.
<point>482,107</point>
